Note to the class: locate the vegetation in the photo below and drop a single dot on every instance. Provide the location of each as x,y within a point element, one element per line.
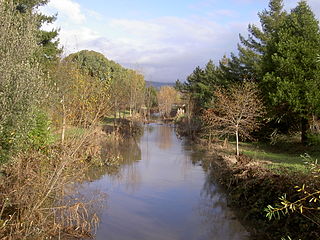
<point>51,112</point>
<point>52,109</point>
<point>235,111</point>
<point>280,59</point>
<point>167,96</point>
<point>21,79</point>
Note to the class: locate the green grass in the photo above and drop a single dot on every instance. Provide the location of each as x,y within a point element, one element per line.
<point>109,120</point>
<point>279,157</point>
<point>278,161</point>
<point>71,132</point>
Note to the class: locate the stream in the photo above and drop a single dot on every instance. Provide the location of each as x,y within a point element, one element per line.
<point>161,192</point>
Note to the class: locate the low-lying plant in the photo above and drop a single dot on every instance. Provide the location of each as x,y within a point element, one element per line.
<point>34,190</point>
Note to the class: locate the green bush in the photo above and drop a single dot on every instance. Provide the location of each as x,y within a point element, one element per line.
<point>40,137</point>
<point>314,139</point>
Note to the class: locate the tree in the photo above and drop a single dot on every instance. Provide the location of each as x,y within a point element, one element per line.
<point>293,77</point>
<point>235,111</point>
<point>83,99</point>
<point>94,64</point>
<point>48,42</point>
<point>136,86</point>
<point>22,89</point>
<point>201,83</point>
<point>150,99</point>
<point>167,96</point>
<point>253,49</point>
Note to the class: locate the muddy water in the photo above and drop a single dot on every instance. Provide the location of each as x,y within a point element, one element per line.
<point>162,193</point>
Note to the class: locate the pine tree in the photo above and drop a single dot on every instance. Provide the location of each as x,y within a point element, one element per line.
<point>49,51</point>
<point>248,63</point>
<point>202,83</point>
<point>293,77</point>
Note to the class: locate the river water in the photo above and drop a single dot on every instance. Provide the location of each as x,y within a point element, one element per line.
<point>161,192</point>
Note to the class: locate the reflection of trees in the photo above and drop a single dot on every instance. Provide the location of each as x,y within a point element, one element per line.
<point>164,136</point>
<point>218,221</point>
<point>149,128</point>
<point>130,154</point>
<point>127,153</point>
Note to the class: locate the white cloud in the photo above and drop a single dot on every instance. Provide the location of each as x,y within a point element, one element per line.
<point>68,8</point>
<point>165,49</point>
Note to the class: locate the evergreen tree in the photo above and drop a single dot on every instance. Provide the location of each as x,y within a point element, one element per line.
<point>49,51</point>
<point>248,63</point>
<point>201,84</point>
<point>95,64</point>
<point>293,73</point>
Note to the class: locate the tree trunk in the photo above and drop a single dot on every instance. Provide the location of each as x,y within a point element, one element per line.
<point>63,131</point>
<point>304,129</point>
<point>237,142</point>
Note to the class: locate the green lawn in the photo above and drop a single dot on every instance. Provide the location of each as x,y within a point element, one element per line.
<point>280,156</point>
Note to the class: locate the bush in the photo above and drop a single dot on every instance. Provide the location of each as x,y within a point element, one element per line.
<point>314,139</point>
<point>40,136</point>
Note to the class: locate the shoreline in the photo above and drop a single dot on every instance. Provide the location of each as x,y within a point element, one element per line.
<point>250,188</point>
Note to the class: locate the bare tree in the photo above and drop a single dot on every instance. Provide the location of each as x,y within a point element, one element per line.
<point>167,96</point>
<point>236,111</point>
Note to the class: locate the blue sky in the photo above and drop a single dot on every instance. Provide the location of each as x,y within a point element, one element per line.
<point>165,40</point>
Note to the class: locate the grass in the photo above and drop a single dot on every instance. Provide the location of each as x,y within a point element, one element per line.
<point>281,156</point>
<point>109,120</point>
<point>278,161</point>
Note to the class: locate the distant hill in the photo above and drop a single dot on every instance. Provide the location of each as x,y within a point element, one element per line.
<point>158,85</point>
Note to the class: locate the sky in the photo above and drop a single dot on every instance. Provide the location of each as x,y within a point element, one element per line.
<point>163,39</point>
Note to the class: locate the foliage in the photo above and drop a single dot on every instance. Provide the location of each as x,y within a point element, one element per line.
<point>308,201</point>
<point>293,76</point>
<point>40,136</point>
<point>235,111</point>
<point>94,64</point>
<point>201,84</point>
<point>151,100</point>
<point>35,202</point>
<point>49,50</point>
<point>167,96</point>
<point>81,100</point>
<point>22,88</point>
<point>125,86</point>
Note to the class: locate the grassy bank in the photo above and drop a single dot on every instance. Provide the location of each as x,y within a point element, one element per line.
<point>280,157</point>
<point>261,176</point>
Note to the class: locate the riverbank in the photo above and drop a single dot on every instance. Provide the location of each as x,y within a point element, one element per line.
<point>38,196</point>
<point>252,186</point>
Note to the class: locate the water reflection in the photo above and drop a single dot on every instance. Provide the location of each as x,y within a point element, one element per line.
<point>128,153</point>
<point>164,137</point>
<point>217,219</point>
<point>162,192</point>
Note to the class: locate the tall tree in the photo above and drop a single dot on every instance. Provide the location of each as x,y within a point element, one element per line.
<point>48,41</point>
<point>248,63</point>
<point>22,88</point>
<point>201,83</point>
<point>94,64</point>
<point>293,77</point>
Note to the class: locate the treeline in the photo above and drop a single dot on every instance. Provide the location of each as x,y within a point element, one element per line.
<point>51,110</point>
<point>270,87</point>
<point>281,59</point>
<point>39,89</point>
